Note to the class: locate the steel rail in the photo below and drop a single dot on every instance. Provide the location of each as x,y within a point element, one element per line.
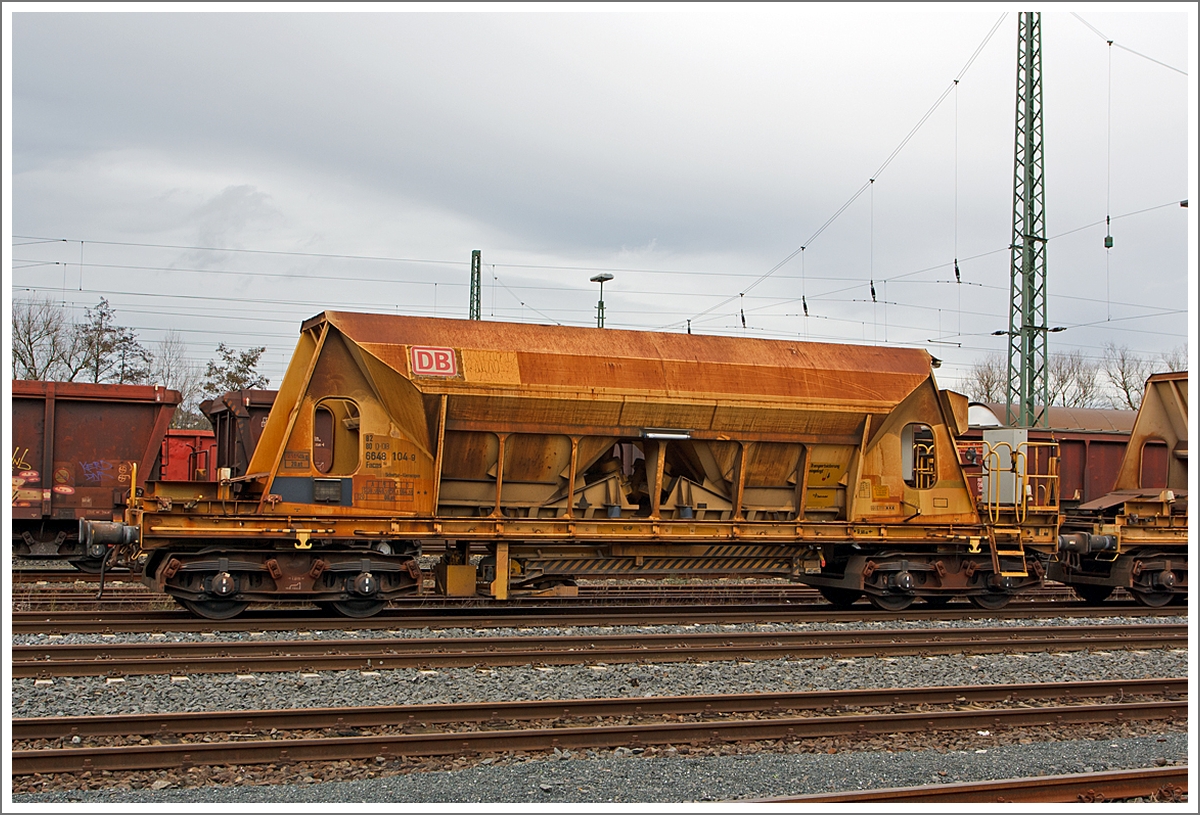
<point>32,577</point>
<point>151,724</point>
<point>477,615</point>
<point>38,584</point>
<point>120,598</point>
<point>82,589</point>
<point>292,655</point>
<point>166,756</point>
<point>1169,782</point>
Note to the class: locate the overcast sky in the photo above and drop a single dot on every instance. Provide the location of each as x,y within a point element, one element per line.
<point>356,159</point>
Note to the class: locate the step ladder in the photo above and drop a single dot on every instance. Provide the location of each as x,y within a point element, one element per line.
<point>1010,552</point>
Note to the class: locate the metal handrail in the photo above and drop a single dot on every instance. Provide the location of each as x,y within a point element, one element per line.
<point>1038,491</point>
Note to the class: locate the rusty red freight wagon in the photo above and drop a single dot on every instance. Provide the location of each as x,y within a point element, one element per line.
<point>188,454</point>
<point>78,448</point>
<point>1091,443</point>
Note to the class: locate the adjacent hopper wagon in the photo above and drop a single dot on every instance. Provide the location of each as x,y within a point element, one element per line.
<point>1136,537</point>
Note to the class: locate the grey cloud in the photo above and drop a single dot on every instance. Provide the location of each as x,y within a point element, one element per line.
<point>722,140</point>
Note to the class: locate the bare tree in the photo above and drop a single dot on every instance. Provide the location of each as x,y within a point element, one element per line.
<point>171,367</point>
<point>987,381</point>
<point>43,341</point>
<point>1074,380</point>
<point>1175,360</point>
<point>109,352</point>
<point>1126,373</point>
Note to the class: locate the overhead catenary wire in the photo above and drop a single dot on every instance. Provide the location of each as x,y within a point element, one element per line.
<point>827,296</point>
<point>250,273</point>
<point>523,304</point>
<point>764,332</point>
<point>891,157</point>
<point>1102,36</point>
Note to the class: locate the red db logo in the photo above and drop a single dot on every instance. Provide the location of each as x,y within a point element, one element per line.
<point>433,361</point>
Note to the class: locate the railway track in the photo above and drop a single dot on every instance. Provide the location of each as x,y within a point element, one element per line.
<point>120,659</point>
<point>54,592</point>
<point>481,615</point>
<point>37,582</point>
<point>1159,784</point>
<point>599,588</point>
<point>332,734</point>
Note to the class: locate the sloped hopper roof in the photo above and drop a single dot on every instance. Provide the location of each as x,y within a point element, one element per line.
<point>611,362</point>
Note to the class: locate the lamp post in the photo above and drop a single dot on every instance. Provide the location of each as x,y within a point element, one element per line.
<point>600,278</point>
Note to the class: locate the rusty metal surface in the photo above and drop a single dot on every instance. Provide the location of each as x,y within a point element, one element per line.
<point>1167,783</point>
<point>188,455</point>
<point>362,654</point>
<point>238,418</point>
<point>497,431</point>
<point>97,434</point>
<point>380,716</point>
<point>95,392</point>
<point>1162,420</point>
<point>548,381</point>
<point>632,361</point>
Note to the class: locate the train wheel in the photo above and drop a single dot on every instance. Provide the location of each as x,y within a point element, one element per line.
<point>1091,594</point>
<point>891,602</point>
<point>358,608</point>
<point>1153,599</point>
<point>214,609</point>
<point>991,601</point>
<point>937,600</point>
<point>842,598</point>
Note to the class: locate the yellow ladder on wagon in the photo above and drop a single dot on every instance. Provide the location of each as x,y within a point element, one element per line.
<point>1036,481</point>
<point>1015,548</point>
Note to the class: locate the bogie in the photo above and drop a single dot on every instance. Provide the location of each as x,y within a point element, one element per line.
<point>219,584</point>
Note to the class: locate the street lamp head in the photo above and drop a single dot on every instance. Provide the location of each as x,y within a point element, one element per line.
<point>601,278</point>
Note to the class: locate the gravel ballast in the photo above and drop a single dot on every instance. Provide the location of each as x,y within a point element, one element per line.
<point>655,775</point>
<point>200,692</point>
<point>631,779</point>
